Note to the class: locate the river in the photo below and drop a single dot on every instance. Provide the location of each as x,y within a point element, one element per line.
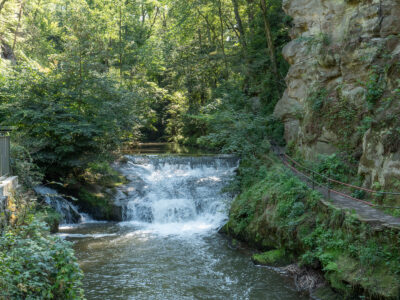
<point>168,247</point>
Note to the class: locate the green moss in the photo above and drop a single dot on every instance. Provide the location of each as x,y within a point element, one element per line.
<point>103,174</point>
<point>276,257</point>
<point>99,204</point>
<point>280,212</point>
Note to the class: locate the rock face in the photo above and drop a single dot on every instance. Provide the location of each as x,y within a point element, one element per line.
<point>343,84</point>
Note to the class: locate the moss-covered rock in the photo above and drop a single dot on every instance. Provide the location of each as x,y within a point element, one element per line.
<point>280,212</point>
<point>274,258</point>
<point>95,189</point>
<point>99,203</point>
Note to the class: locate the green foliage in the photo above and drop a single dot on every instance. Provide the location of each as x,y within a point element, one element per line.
<point>366,123</point>
<point>101,173</point>
<point>375,88</point>
<point>33,263</point>
<point>342,119</point>
<point>51,217</point>
<point>23,166</point>
<point>317,99</point>
<point>272,258</point>
<point>94,74</point>
<point>36,265</point>
<point>60,124</point>
<point>235,132</point>
<point>280,212</point>
<point>334,167</point>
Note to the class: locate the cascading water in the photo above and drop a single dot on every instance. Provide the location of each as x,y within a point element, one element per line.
<point>168,246</point>
<point>66,209</point>
<point>177,194</point>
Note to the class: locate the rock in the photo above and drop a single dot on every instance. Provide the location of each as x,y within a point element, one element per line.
<point>287,107</point>
<point>377,166</point>
<point>336,46</point>
<point>68,211</point>
<point>274,258</point>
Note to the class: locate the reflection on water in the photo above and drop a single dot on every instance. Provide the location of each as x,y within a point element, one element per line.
<point>165,148</point>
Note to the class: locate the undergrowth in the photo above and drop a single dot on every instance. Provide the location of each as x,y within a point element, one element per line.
<point>281,212</point>
<point>33,263</point>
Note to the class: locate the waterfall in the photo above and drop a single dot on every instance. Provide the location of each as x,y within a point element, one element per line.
<point>176,193</point>
<point>66,209</point>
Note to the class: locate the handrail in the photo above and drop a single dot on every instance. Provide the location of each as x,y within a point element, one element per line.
<point>284,155</point>
<point>334,191</point>
<point>339,182</point>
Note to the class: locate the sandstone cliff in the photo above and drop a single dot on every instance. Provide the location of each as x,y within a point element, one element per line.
<point>343,84</point>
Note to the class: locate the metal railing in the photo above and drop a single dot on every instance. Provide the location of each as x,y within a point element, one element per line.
<point>4,155</point>
<point>327,182</point>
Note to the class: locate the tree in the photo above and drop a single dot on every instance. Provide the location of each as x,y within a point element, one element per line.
<point>270,42</point>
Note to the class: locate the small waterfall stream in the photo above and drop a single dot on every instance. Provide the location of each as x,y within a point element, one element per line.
<point>68,211</point>
<point>168,246</point>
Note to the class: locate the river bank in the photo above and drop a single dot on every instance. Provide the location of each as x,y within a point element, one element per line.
<point>329,252</point>
<point>281,216</point>
<point>168,246</point>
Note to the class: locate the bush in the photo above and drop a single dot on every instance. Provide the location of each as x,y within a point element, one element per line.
<point>62,121</point>
<point>333,166</point>
<point>37,265</point>
<point>23,166</point>
<point>375,89</point>
<point>316,99</point>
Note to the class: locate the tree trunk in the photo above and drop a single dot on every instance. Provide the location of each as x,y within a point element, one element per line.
<point>242,35</point>
<point>250,13</point>
<point>21,9</point>
<point>120,42</point>
<point>222,34</point>
<point>270,43</point>
<point>212,36</point>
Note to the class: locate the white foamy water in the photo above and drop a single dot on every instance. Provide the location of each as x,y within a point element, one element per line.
<point>84,236</point>
<point>176,195</point>
<point>168,247</point>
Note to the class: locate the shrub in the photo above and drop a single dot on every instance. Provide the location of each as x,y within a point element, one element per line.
<point>334,167</point>
<point>23,166</point>
<point>375,89</point>
<point>61,125</point>
<point>37,265</point>
<point>316,99</point>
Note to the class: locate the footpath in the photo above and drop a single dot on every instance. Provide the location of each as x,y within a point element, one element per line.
<point>365,211</point>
